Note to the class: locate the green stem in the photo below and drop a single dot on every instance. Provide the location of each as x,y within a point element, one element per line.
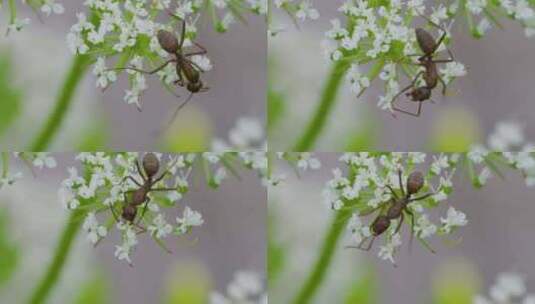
<point>50,278</point>
<point>328,98</point>
<point>324,259</point>
<point>64,100</point>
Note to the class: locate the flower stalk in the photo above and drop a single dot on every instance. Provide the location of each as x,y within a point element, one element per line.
<point>324,259</point>
<point>63,103</point>
<point>45,286</point>
<point>326,104</point>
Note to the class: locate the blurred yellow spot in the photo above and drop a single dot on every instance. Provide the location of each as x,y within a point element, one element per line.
<point>455,130</point>
<point>187,283</point>
<point>455,282</point>
<point>191,131</point>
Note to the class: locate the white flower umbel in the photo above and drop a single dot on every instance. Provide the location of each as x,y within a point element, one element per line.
<point>125,32</point>
<point>509,287</point>
<point>365,191</point>
<point>104,189</point>
<point>31,159</point>
<point>298,10</point>
<point>377,41</point>
<point>47,7</point>
<point>246,287</point>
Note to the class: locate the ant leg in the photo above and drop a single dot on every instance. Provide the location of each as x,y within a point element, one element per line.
<point>176,113</point>
<point>139,171</point>
<point>203,50</point>
<point>402,217</point>
<point>182,34</point>
<point>129,177</point>
<point>146,72</point>
<point>394,99</point>
<point>400,178</point>
<point>143,211</point>
<point>422,197</point>
<point>412,228</point>
<point>419,111</point>
<point>163,189</point>
<point>370,244</point>
<point>392,192</point>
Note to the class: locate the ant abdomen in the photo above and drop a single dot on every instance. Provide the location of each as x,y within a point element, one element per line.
<point>380,225</point>
<point>425,41</point>
<point>415,182</point>
<point>168,41</point>
<point>151,164</point>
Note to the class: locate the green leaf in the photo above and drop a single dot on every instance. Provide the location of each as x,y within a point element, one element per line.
<point>9,252</point>
<point>94,291</point>
<point>10,96</point>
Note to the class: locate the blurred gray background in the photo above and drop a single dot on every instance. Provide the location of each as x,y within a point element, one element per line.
<point>498,238</point>
<point>231,239</point>
<point>237,87</point>
<point>499,86</point>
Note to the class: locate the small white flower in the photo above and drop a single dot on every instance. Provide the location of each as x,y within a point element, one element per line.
<point>453,219</point>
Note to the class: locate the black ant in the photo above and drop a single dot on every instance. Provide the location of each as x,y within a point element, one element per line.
<point>397,209</point>
<point>431,77</point>
<point>188,72</point>
<point>139,196</point>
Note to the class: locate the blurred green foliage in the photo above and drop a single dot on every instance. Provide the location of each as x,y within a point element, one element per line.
<point>276,253</point>
<point>9,252</point>
<point>191,131</point>
<point>94,291</point>
<point>276,107</point>
<point>95,138</point>
<point>186,284</point>
<point>365,136</point>
<point>10,96</point>
<point>456,282</point>
<point>363,290</point>
<point>455,130</point>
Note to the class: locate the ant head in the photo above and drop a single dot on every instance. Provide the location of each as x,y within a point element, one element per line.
<point>168,41</point>
<point>420,94</point>
<point>151,164</point>
<point>380,225</point>
<point>426,42</point>
<point>129,213</point>
<point>415,182</point>
<point>195,87</point>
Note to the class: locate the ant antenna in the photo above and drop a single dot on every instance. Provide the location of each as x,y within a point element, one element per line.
<point>175,114</point>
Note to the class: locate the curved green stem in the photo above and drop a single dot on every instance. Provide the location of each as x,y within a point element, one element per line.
<point>64,100</point>
<point>50,278</point>
<point>316,276</point>
<point>328,98</point>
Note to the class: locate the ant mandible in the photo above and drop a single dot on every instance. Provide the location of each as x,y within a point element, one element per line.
<point>188,72</point>
<point>139,196</point>
<point>430,74</point>
<point>397,209</point>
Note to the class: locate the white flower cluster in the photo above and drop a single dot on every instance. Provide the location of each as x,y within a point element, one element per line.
<point>300,161</point>
<point>380,34</point>
<point>365,191</point>
<point>256,161</point>
<point>509,140</point>
<point>38,160</point>
<point>103,188</point>
<point>127,30</point>
<point>508,288</point>
<point>246,288</point>
<point>299,11</point>
<point>247,135</point>
<point>47,7</point>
